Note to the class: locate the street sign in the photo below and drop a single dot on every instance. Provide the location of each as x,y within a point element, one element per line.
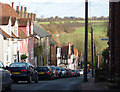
<point>105,39</point>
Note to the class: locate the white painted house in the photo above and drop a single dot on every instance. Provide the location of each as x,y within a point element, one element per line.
<point>9,44</point>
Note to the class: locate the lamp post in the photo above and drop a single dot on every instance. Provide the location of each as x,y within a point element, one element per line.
<point>86,41</point>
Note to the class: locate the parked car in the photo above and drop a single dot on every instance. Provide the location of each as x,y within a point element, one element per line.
<point>59,72</point>
<point>23,72</point>
<point>74,73</point>
<point>63,72</point>
<point>81,71</point>
<point>54,71</point>
<point>78,73</point>
<point>6,78</point>
<point>45,72</point>
<point>68,72</point>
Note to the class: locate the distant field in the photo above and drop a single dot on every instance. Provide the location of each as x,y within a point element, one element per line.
<point>82,21</point>
<point>77,38</point>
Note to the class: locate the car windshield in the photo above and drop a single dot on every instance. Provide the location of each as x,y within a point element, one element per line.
<point>18,65</point>
<point>52,68</point>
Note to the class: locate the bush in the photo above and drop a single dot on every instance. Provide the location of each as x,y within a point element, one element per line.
<point>23,57</point>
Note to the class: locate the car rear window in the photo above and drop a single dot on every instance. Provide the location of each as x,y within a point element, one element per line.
<point>62,69</point>
<point>18,65</point>
<point>73,70</point>
<point>57,68</point>
<point>42,68</point>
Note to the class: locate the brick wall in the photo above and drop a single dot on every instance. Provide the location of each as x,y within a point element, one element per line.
<point>114,35</point>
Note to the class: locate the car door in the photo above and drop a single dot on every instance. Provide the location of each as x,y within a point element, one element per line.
<point>5,75</point>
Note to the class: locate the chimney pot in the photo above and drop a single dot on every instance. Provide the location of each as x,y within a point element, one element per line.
<point>21,8</point>
<point>17,8</point>
<point>12,4</point>
<point>25,8</point>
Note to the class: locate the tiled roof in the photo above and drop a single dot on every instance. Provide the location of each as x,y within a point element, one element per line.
<point>22,22</point>
<point>56,41</point>
<point>7,10</point>
<point>4,34</point>
<point>21,34</point>
<point>4,20</point>
<point>40,32</point>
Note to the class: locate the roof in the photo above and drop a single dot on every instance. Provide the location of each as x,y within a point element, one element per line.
<point>22,22</point>
<point>56,41</point>
<point>7,10</point>
<point>5,34</point>
<point>4,20</point>
<point>21,34</point>
<point>40,32</point>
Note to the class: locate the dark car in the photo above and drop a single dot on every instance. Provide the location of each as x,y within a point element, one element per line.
<point>63,72</point>
<point>68,72</point>
<point>23,72</point>
<point>78,73</point>
<point>6,78</point>
<point>55,72</point>
<point>74,73</point>
<point>45,72</point>
<point>59,72</point>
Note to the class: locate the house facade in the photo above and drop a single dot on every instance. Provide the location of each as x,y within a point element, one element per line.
<point>114,44</point>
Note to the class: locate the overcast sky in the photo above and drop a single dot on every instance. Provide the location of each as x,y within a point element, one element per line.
<point>61,8</point>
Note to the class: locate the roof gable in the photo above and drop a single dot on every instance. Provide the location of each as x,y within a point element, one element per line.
<point>7,10</point>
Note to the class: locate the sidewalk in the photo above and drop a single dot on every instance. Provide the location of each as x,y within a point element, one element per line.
<point>92,85</point>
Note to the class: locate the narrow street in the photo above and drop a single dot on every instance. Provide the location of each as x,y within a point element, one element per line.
<point>58,84</point>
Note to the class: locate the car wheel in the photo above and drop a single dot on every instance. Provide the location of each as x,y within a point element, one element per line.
<point>9,88</point>
<point>36,81</point>
<point>29,79</point>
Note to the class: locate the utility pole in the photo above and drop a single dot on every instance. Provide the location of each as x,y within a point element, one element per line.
<point>95,55</point>
<point>92,51</point>
<point>86,41</point>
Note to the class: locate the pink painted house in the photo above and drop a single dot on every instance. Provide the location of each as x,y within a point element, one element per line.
<point>27,44</point>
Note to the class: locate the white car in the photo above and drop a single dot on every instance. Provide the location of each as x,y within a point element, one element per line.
<point>81,71</point>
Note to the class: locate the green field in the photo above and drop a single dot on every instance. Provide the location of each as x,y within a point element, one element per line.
<point>77,38</point>
<point>82,21</point>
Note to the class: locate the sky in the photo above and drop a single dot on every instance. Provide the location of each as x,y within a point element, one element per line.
<point>63,8</point>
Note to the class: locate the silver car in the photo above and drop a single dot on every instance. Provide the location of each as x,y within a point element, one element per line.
<point>5,78</point>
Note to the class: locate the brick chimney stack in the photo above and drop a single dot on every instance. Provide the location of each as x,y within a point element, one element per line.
<point>21,8</point>
<point>25,9</point>
<point>12,4</point>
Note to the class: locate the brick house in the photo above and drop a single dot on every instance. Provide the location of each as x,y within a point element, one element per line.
<point>42,41</point>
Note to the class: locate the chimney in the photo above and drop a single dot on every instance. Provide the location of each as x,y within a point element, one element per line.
<point>21,8</point>
<point>12,4</point>
<point>17,8</point>
<point>25,9</point>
